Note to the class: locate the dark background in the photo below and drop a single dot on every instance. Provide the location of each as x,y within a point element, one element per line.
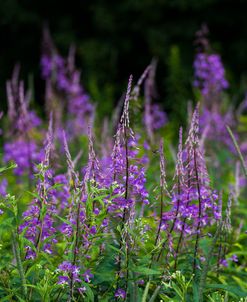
<point>117,37</point>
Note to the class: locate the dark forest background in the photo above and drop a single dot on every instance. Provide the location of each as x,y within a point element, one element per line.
<point>116,38</point>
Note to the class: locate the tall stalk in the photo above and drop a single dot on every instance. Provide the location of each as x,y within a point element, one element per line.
<point>76,245</point>
<point>179,180</point>
<point>126,131</point>
<point>205,269</point>
<point>42,187</point>
<point>17,254</point>
<point>79,190</point>
<point>180,240</point>
<point>199,212</point>
<point>163,190</point>
<point>238,151</point>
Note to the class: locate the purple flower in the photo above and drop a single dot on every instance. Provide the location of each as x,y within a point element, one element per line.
<point>30,254</point>
<point>105,222</point>
<point>60,195</point>
<point>234,258</point>
<point>120,293</point>
<point>63,280</point>
<point>93,230</point>
<point>3,187</point>
<point>87,276</point>
<point>82,290</point>
<point>117,174</point>
<point>96,211</point>
<point>66,266</point>
<point>141,282</point>
<point>66,229</point>
<point>224,262</point>
<point>69,270</point>
<point>194,203</point>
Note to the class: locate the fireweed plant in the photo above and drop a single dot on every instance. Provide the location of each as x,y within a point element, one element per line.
<point>123,216</point>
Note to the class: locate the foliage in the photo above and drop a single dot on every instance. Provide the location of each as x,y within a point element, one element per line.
<point>105,209</point>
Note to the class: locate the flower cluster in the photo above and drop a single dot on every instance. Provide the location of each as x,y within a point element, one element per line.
<point>125,170</point>
<point>194,203</point>
<point>68,270</point>
<point>213,124</point>
<point>25,154</point>
<point>111,219</point>
<point>209,74</point>
<point>20,147</point>
<point>120,294</point>
<point>38,224</point>
<point>63,80</point>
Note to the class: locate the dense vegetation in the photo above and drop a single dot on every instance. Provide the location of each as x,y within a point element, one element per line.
<point>128,207</point>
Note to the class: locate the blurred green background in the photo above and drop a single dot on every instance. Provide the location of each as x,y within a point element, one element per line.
<point>116,38</point>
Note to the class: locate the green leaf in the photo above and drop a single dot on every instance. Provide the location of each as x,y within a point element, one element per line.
<point>155,294</point>
<point>145,294</point>
<point>165,298</point>
<point>20,299</point>
<point>115,249</point>
<point>62,219</point>
<point>35,195</point>
<point>232,290</point>
<point>145,271</point>
<point>89,292</point>
<point>195,292</point>
<point>12,166</point>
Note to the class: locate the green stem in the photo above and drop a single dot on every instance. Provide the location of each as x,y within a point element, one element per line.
<point>238,150</point>
<point>154,295</point>
<point>199,214</point>
<point>17,255</point>
<point>202,283</point>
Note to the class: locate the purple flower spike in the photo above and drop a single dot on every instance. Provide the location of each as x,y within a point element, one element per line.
<point>209,74</point>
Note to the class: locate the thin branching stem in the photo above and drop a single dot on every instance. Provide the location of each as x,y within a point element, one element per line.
<point>16,249</point>
<point>180,240</point>
<point>238,150</point>
<point>75,248</point>
<point>199,212</point>
<point>173,223</point>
